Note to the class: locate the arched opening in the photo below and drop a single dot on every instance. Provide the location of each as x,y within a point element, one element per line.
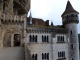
<point>76,15</point>
<point>42,38</point>
<point>45,56</point>
<point>72,59</point>
<point>17,40</point>
<point>36,38</point>
<point>47,38</point>
<point>61,39</point>
<point>72,15</point>
<point>71,31</point>
<point>30,38</point>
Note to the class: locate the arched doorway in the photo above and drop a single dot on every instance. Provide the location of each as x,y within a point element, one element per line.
<point>7,40</point>
<point>12,37</point>
<point>17,39</point>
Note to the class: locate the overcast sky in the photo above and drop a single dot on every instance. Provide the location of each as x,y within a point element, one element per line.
<point>52,9</point>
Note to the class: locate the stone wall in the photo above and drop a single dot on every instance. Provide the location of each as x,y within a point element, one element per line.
<point>60,46</point>
<point>73,33</point>
<point>39,47</point>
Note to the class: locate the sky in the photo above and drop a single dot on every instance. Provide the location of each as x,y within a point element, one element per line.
<point>52,10</point>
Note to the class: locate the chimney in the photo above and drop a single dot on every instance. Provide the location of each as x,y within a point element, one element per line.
<point>47,23</point>
<point>51,23</point>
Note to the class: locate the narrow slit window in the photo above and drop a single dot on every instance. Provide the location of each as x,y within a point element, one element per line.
<point>71,32</point>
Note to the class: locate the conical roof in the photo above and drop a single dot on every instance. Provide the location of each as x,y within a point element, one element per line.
<point>69,9</point>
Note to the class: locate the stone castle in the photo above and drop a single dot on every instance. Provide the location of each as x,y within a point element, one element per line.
<point>27,38</point>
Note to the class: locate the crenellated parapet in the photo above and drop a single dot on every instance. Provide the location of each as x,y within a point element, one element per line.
<point>13,19</point>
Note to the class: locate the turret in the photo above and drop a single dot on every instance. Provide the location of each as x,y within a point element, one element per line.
<point>70,20</point>
<point>70,15</point>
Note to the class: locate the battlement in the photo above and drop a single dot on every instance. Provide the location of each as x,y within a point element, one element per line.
<point>12,19</point>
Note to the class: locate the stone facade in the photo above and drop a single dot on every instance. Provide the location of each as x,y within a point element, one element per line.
<point>27,38</point>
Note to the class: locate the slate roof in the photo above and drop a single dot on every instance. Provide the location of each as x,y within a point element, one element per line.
<point>69,9</point>
<point>37,21</point>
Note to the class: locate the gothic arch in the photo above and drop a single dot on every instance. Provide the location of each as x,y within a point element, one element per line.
<point>8,39</point>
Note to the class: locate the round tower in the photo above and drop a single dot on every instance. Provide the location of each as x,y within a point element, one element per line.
<point>70,20</point>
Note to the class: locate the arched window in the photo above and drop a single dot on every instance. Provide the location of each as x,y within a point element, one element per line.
<point>30,38</point>
<point>47,56</point>
<point>36,38</point>
<point>71,31</point>
<point>47,38</point>
<point>58,54</point>
<point>42,56</point>
<point>33,39</point>
<point>58,38</point>
<point>35,56</point>
<point>16,40</point>
<point>62,54</point>
<point>32,56</point>
<point>72,59</point>
<point>72,15</point>
<point>42,38</point>
<point>63,38</point>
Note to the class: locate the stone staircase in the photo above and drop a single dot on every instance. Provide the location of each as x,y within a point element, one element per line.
<point>12,53</point>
